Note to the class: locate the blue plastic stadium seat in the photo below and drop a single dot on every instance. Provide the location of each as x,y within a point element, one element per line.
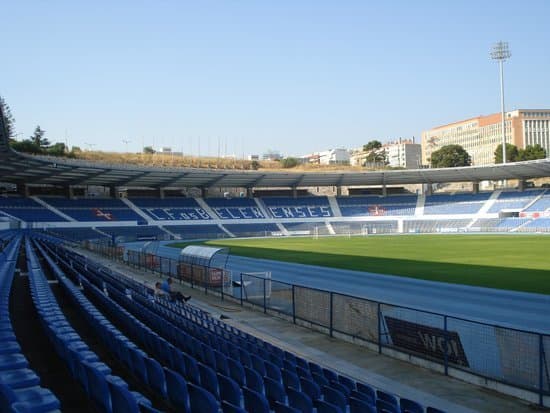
<point>177,390</point>
<point>231,408</point>
<point>310,388</point>
<point>320,379</point>
<point>253,380</point>
<point>19,378</point>
<point>335,397</point>
<point>255,401</point>
<point>122,400</point>
<point>326,407</point>
<point>363,397</point>
<point>13,361</point>
<point>387,397</point>
<point>236,371</point>
<point>229,390</point>
<point>155,375</point>
<point>290,379</point>
<point>34,398</point>
<point>283,408</point>
<point>273,371</point>
<point>200,400</point>
<point>209,380</point>
<point>387,406</point>
<point>274,391</point>
<point>191,369</point>
<point>410,406</point>
<point>9,347</point>
<point>360,406</point>
<point>299,400</point>
<point>98,388</point>
<point>366,389</point>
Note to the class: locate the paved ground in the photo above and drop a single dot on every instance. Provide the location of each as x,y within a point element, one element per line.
<point>381,371</point>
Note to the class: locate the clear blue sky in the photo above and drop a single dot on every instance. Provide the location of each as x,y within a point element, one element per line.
<point>295,76</point>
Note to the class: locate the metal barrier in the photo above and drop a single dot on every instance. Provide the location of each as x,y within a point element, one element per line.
<point>510,356</point>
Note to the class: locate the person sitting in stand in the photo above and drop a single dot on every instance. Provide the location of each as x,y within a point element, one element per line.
<point>166,287</point>
<point>159,292</point>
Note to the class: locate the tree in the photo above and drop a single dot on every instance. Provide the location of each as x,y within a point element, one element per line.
<point>450,156</point>
<point>7,117</point>
<point>26,145</point>
<point>532,152</point>
<point>372,145</point>
<point>512,153</point>
<point>375,156</point>
<point>255,165</point>
<point>57,149</point>
<point>149,150</point>
<point>38,137</point>
<point>289,162</point>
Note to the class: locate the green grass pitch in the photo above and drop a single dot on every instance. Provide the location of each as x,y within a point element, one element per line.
<point>512,262</point>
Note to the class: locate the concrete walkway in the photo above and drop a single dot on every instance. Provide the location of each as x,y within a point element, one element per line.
<point>402,378</point>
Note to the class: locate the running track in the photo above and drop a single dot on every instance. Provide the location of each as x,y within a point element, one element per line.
<point>506,308</point>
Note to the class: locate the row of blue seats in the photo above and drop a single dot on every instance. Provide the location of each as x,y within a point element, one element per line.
<point>170,209</point>
<point>166,382</point>
<point>270,372</point>
<point>109,392</point>
<point>20,389</point>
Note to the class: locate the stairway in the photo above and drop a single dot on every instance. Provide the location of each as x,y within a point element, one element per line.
<point>202,203</point>
<point>138,211</point>
<point>333,202</point>
<point>53,209</point>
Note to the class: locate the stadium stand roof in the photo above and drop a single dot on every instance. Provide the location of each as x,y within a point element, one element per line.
<point>20,168</point>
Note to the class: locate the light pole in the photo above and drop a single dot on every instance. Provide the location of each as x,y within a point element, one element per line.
<point>126,142</point>
<point>501,52</point>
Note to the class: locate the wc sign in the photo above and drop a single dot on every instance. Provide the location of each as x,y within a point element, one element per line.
<point>427,340</point>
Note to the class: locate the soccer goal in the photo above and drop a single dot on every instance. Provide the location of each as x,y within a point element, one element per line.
<point>254,285</point>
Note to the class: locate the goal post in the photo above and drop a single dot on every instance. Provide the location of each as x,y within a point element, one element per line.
<point>254,286</point>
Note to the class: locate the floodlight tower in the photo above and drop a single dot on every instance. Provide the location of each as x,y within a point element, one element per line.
<point>501,52</point>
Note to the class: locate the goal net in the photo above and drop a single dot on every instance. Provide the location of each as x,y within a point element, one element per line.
<point>254,285</point>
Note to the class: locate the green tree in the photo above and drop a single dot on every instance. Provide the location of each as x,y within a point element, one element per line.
<point>57,149</point>
<point>255,165</point>
<point>450,156</point>
<point>532,152</point>
<point>38,137</point>
<point>379,157</point>
<point>26,145</point>
<point>289,162</point>
<point>7,118</point>
<point>372,145</point>
<point>512,153</point>
<point>149,150</point>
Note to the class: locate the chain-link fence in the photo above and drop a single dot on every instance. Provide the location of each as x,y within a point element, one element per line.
<point>511,356</point>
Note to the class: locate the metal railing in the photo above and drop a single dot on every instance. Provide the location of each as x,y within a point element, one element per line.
<point>510,356</point>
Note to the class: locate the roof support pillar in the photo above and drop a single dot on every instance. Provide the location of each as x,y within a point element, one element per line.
<point>339,190</point>
<point>294,192</point>
<point>427,189</point>
<point>475,187</point>
<point>521,185</point>
<point>70,192</point>
<point>161,193</point>
<point>23,190</point>
<point>112,191</point>
<point>249,192</point>
<point>384,190</point>
<point>204,192</point>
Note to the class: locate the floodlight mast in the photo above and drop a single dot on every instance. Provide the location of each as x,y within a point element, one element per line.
<point>501,52</point>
